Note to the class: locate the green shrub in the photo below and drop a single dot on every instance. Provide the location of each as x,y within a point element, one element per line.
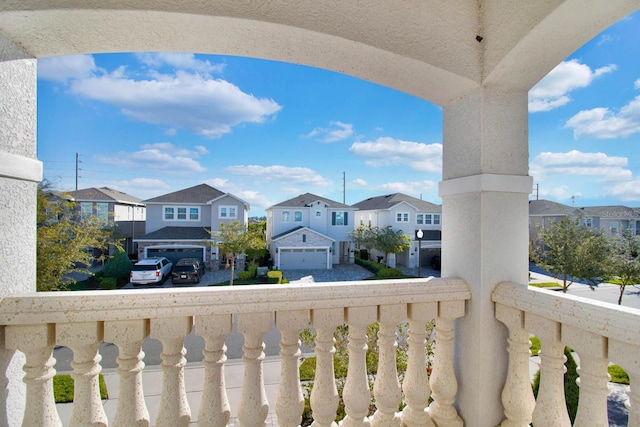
<point>118,266</point>
<point>372,266</point>
<point>108,283</point>
<point>245,275</point>
<point>390,272</point>
<point>571,389</point>
<point>274,276</point>
<point>535,346</point>
<point>63,388</point>
<point>618,375</point>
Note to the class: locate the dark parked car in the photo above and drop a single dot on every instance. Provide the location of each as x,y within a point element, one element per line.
<point>435,262</point>
<point>187,270</point>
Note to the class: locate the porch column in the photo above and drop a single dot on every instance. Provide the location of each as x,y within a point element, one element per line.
<point>484,194</point>
<point>19,174</point>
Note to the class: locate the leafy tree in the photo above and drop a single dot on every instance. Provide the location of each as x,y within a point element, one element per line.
<point>118,266</point>
<point>571,251</point>
<point>364,236</point>
<point>64,239</point>
<point>391,241</point>
<point>624,263</point>
<point>233,240</point>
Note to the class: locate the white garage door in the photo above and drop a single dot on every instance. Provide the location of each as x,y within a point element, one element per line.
<point>298,259</point>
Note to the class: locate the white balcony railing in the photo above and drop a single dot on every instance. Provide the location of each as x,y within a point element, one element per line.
<point>36,322</point>
<point>600,333</point>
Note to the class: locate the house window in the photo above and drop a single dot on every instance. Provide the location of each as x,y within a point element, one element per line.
<point>436,219</point>
<point>181,213</point>
<point>614,227</point>
<point>227,212</point>
<point>340,218</point>
<point>402,217</point>
<point>297,216</point>
<point>420,219</point>
<point>286,216</point>
<point>102,212</point>
<point>304,238</point>
<point>318,214</point>
<point>588,222</point>
<point>86,211</point>
<point>428,219</point>
<point>194,214</point>
<point>169,213</point>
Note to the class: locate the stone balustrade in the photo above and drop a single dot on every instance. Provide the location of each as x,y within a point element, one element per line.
<point>599,333</point>
<point>36,322</point>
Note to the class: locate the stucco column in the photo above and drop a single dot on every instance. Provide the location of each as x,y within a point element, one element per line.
<point>19,174</point>
<point>484,234</point>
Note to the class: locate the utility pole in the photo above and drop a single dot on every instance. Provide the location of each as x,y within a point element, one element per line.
<point>77,169</point>
<point>344,188</point>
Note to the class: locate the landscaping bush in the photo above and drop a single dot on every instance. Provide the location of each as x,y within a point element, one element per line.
<point>390,272</point>
<point>63,388</point>
<point>245,275</point>
<point>118,266</point>
<point>108,283</point>
<point>275,276</point>
<point>372,266</point>
<point>618,375</point>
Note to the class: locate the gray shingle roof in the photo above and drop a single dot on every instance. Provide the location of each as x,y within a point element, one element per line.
<point>179,233</point>
<point>548,208</point>
<point>616,211</point>
<point>104,194</point>
<point>198,194</point>
<point>390,200</point>
<point>305,199</point>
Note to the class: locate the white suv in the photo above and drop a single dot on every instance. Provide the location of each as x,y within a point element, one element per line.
<point>150,270</point>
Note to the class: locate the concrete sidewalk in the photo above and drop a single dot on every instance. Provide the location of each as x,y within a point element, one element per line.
<point>193,378</point>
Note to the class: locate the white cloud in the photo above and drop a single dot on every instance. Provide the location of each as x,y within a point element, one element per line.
<point>416,188</point>
<point>338,131</point>
<point>578,163</point>
<point>552,91</point>
<point>159,156</point>
<point>636,84</point>
<point>389,151</point>
<point>359,182</point>
<point>144,188</point>
<point>603,123</point>
<point>189,101</point>
<point>277,173</point>
<point>63,68</point>
<point>180,61</point>
<point>627,191</point>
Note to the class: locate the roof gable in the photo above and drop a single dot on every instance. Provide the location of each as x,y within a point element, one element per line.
<point>548,208</point>
<point>298,230</point>
<point>307,199</point>
<point>388,201</point>
<point>104,194</point>
<point>199,194</point>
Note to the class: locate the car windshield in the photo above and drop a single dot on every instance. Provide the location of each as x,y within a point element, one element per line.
<point>144,267</point>
<point>181,268</point>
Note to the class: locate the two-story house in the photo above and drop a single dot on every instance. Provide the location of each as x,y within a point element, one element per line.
<point>179,223</point>
<point>543,213</point>
<point>415,217</point>
<point>309,232</point>
<point>128,213</point>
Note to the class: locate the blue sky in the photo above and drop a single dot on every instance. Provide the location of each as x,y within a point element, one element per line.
<point>152,123</point>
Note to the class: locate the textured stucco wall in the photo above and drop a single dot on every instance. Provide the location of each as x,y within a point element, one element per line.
<point>18,214</point>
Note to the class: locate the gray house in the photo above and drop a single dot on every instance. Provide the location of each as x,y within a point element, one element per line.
<point>127,212</point>
<point>409,214</point>
<point>178,223</point>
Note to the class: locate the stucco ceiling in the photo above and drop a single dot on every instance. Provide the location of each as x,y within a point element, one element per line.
<point>435,49</point>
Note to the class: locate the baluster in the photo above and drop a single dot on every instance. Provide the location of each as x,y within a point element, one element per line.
<point>626,355</point>
<point>550,405</point>
<point>387,387</point>
<point>254,407</point>
<point>84,339</point>
<point>129,335</point>
<point>290,400</point>
<point>443,379</point>
<point>517,396</point>
<point>214,406</point>
<point>356,393</point>
<point>174,408</point>
<point>36,342</point>
<point>416,381</point>
<point>324,396</point>
<point>593,375</point>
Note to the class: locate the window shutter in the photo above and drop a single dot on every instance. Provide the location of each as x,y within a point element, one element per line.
<point>346,218</point>
<point>333,218</point>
